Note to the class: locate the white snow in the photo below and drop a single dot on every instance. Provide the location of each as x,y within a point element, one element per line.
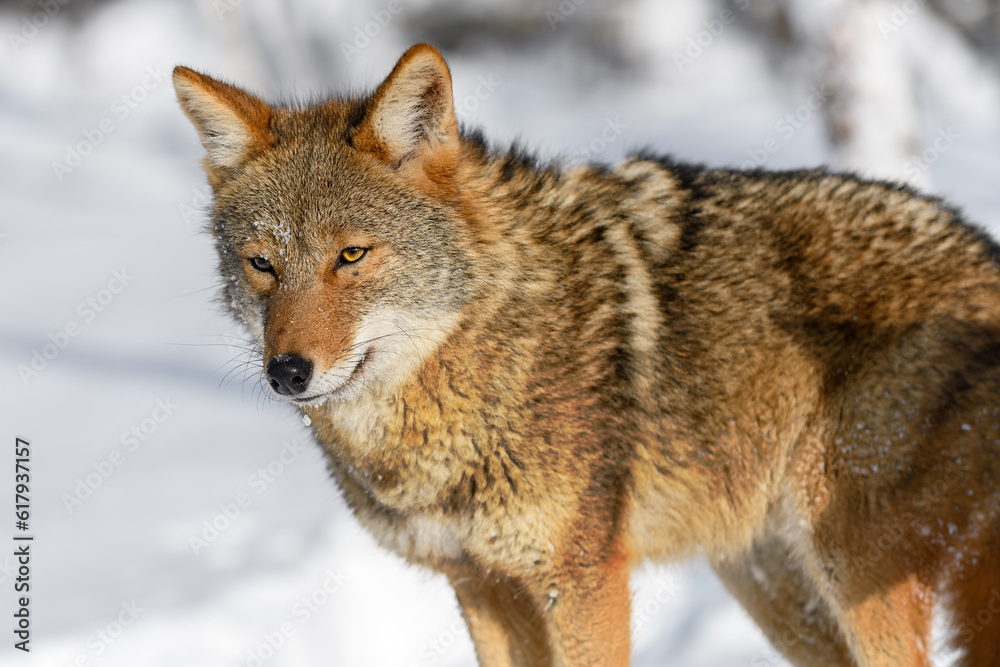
<point>285,576</point>
<point>943,635</point>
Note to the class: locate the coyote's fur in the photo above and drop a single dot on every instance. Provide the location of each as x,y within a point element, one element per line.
<point>531,378</point>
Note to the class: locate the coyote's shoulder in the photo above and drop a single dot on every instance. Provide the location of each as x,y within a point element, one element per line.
<point>532,377</point>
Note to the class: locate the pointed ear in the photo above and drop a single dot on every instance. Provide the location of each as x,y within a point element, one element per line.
<point>412,114</point>
<point>233,125</point>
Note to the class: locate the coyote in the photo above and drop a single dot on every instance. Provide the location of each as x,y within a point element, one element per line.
<point>532,377</point>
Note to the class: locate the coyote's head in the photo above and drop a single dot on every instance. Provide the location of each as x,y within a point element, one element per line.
<point>338,226</point>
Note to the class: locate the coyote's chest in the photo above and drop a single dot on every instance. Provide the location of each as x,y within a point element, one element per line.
<point>401,463</point>
<point>431,481</point>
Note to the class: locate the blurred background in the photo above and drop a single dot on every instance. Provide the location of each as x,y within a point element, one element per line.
<point>181,517</point>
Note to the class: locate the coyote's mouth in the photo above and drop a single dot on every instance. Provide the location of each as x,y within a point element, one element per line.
<point>343,391</point>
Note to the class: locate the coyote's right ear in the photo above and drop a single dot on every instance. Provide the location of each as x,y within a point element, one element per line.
<point>233,125</point>
<point>411,116</point>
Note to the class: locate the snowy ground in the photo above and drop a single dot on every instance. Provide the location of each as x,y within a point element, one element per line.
<point>112,251</point>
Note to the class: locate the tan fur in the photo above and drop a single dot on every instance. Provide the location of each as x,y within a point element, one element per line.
<point>537,377</point>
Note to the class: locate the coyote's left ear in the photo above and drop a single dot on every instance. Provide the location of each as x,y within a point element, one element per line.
<point>411,116</point>
<point>233,125</point>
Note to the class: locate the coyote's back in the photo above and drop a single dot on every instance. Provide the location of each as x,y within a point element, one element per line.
<point>531,378</point>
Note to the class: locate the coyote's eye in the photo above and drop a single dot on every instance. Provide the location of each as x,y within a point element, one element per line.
<point>262,264</point>
<point>352,254</point>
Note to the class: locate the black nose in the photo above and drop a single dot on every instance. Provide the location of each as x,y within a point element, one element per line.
<point>288,374</point>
